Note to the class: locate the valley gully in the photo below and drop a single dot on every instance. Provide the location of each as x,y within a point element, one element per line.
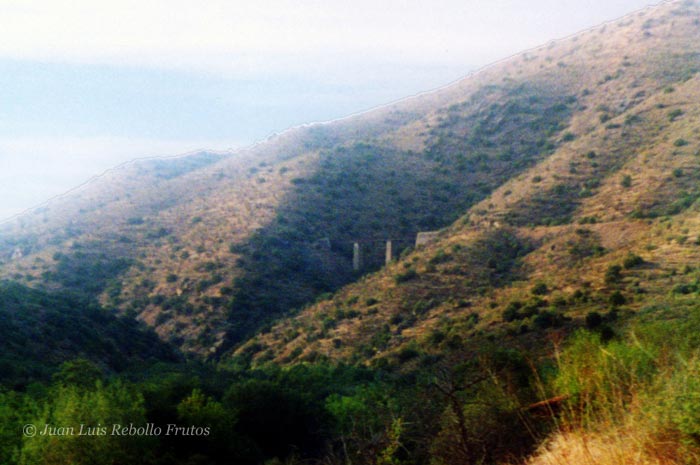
<point>116,429</point>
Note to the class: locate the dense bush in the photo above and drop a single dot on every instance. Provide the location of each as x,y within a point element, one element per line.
<point>613,274</point>
<point>39,330</point>
<point>632,261</point>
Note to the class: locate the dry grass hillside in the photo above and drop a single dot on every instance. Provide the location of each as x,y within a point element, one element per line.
<point>620,180</point>
<point>565,156</point>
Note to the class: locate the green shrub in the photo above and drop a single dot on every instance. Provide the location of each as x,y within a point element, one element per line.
<point>632,261</point>
<point>593,320</point>
<point>540,289</point>
<point>616,299</point>
<point>674,114</point>
<point>613,274</point>
<point>407,353</point>
<point>440,257</point>
<point>405,276</point>
<point>512,311</point>
<point>548,319</point>
<point>685,288</point>
<point>632,119</point>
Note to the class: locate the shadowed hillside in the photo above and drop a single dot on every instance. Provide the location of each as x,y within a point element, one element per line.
<point>39,331</point>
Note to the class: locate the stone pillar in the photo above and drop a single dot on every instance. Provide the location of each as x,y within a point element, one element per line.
<point>356,259</point>
<point>389,253</point>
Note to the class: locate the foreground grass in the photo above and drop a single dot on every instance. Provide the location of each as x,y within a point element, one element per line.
<point>634,401</point>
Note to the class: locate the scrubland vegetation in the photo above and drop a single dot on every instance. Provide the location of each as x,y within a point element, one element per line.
<point>553,319</point>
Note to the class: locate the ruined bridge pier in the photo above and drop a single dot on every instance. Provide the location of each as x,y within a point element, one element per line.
<point>357,257</point>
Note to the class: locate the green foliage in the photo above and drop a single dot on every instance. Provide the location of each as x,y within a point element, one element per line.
<point>593,320</point>
<point>277,419</point>
<point>613,274</point>
<point>158,233</point>
<point>585,244</point>
<point>440,257</point>
<point>626,181</point>
<point>540,288</point>
<point>680,401</point>
<point>135,221</point>
<point>486,427</point>
<point>647,381</point>
<point>204,411</point>
<point>406,276</point>
<point>500,251</point>
<point>681,201</point>
<point>551,207</point>
<point>86,418</point>
<point>88,260</point>
<point>40,330</point>
<point>686,288</point>
<point>517,310</point>
<point>601,377</point>
<point>548,319</point>
<point>632,119</point>
<point>617,299</point>
<point>14,410</point>
<point>78,372</point>
<point>512,311</point>
<point>387,455</point>
<point>674,114</point>
<point>632,261</point>
<point>407,353</point>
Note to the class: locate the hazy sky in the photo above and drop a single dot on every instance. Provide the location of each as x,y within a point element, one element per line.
<point>88,84</point>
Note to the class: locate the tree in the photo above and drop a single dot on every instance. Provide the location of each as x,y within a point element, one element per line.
<point>87,417</point>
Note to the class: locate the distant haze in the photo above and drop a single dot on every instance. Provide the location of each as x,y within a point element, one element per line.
<point>87,85</point>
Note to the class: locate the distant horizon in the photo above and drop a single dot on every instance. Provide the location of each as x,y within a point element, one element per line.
<point>226,79</point>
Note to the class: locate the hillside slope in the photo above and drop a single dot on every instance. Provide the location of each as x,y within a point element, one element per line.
<point>211,247</point>
<point>39,331</point>
<point>606,222</point>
